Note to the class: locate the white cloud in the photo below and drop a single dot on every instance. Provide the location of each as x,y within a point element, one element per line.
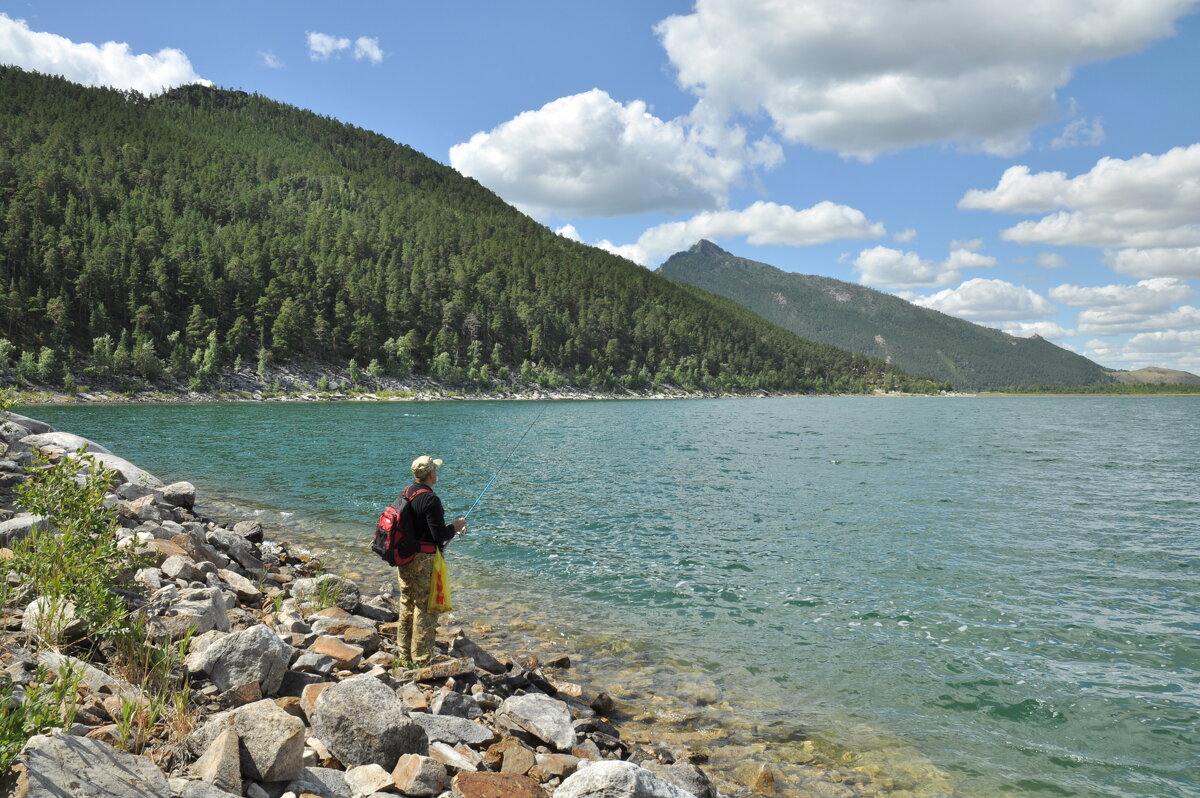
<point>1147,201</point>
<point>321,46</point>
<point>890,268</point>
<point>1179,350</point>
<point>110,64</point>
<point>592,156</point>
<point>1116,322</point>
<point>1162,262</point>
<point>761,223</point>
<point>1028,329</point>
<point>1080,132</point>
<point>270,59</point>
<point>1051,260</point>
<point>982,300</point>
<point>368,48</point>
<point>905,236</point>
<point>885,267</point>
<point>568,231</point>
<point>867,76</point>
<point>1147,296</point>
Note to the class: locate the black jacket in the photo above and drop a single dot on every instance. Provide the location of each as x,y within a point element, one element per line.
<point>429,519</point>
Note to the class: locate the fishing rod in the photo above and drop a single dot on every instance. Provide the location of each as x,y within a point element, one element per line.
<point>511,452</point>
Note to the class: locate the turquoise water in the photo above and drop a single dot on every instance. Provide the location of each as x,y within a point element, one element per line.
<point>1005,588</point>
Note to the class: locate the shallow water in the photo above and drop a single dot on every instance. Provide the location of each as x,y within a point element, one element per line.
<point>995,596</point>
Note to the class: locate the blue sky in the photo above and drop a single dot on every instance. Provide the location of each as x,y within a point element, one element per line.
<point>1027,165</point>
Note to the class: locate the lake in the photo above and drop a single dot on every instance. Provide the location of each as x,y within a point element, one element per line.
<point>979,595</point>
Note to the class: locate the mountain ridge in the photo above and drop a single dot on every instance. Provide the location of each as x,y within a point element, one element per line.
<point>918,340</point>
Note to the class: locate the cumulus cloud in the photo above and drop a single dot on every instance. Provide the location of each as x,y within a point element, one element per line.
<point>322,46</point>
<point>110,64</point>
<point>973,244</point>
<point>982,300</point>
<point>761,223</point>
<point>1098,321</point>
<point>905,236</point>
<point>590,155</point>
<point>1147,296</point>
<point>867,76</point>
<point>366,47</point>
<point>1181,262</point>
<point>568,231</point>
<point>1173,349</point>
<point>885,267</point>
<point>1143,202</point>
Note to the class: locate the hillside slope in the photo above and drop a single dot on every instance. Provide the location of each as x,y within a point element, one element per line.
<point>171,237</point>
<point>918,340</point>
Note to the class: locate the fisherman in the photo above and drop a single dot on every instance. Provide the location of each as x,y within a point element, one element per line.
<point>417,627</point>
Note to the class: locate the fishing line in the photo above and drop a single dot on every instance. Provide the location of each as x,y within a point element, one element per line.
<point>511,452</point>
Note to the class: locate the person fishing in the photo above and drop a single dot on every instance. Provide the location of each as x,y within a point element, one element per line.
<point>417,626</point>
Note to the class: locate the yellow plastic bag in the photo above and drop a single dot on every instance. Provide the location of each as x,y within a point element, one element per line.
<point>439,586</point>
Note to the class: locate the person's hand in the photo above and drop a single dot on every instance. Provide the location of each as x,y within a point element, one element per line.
<point>460,524</point>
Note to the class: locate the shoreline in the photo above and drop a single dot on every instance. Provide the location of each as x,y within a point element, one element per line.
<point>662,725</point>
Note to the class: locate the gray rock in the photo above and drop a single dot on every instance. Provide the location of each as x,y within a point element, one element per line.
<point>463,646</point>
<point>198,789</point>
<point>326,782</point>
<point>366,780</point>
<point>176,567</point>
<point>33,426</point>
<point>221,765</point>
<point>250,530</point>
<point>51,620</point>
<point>378,609</point>
<point>62,765</point>
<point>247,591</point>
<point>685,776</point>
<point>449,702</point>
<point>127,471</point>
<point>240,549</point>
<point>451,730</point>
<point>338,590</point>
<point>180,494</point>
<point>361,721</point>
<point>96,680</point>
<point>252,655</point>
<point>12,431</point>
<point>545,718</point>
<point>616,779</point>
<point>272,741</point>
<point>451,758</point>
<point>311,662</point>
<point>420,776</point>
<point>22,526</point>
<point>65,441</point>
<point>173,613</point>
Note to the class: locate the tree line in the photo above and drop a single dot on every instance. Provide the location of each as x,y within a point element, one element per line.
<point>180,236</point>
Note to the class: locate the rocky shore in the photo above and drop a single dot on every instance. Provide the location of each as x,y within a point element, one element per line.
<point>288,687</point>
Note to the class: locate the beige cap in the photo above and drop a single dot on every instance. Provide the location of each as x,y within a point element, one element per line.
<point>423,465</point>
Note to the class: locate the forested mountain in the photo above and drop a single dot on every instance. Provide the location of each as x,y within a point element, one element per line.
<point>861,319</point>
<point>173,236</point>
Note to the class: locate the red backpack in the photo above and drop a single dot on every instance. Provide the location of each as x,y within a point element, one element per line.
<point>396,540</point>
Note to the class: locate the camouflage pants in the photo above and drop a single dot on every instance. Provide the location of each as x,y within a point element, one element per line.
<point>417,627</point>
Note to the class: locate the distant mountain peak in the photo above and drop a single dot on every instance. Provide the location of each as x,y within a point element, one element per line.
<point>706,247</point>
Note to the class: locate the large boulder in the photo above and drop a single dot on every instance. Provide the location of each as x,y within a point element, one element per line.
<point>66,441</point>
<point>252,655</point>
<point>173,613</point>
<point>22,526</point>
<point>125,470</point>
<point>328,589</point>
<point>238,548</point>
<point>62,765</point>
<point>361,722</point>
<point>453,731</point>
<point>545,718</point>
<point>31,425</point>
<point>616,779</point>
<point>221,763</point>
<point>272,741</point>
